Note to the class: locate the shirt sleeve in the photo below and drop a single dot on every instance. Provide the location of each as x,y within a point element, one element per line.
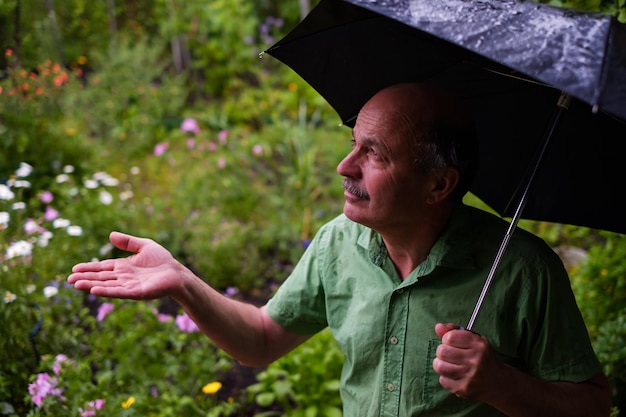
<point>299,303</point>
<point>559,349</point>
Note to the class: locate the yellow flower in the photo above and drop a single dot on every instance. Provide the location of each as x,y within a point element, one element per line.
<point>212,387</point>
<point>129,402</point>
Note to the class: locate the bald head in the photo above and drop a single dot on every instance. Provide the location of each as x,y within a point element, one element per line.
<point>437,125</point>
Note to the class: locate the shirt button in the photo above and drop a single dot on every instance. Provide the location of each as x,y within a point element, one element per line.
<point>391,387</point>
<point>393,340</point>
<point>400,290</point>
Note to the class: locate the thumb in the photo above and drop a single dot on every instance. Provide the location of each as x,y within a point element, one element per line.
<point>442,329</point>
<point>126,242</point>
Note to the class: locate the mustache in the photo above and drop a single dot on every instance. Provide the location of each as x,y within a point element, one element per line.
<point>352,188</point>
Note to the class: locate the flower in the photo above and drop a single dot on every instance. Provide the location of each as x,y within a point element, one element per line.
<point>160,148</point>
<point>42,387</point>
<point>18,205</point>
<point>92,407</point>
<point>104,310</point>
<point>50,214</point>
<point>4,219</point>
<point>105,197</point>
<point>129,402</point>
<point>190,125</point>
<point>212,387</point>
<point>46,197</point>
<point>186,324</point>
<point>9,297</point>
<point>6,193</point>
<point>58,360</point>
<point>257,149</point>
<point>24,170</point>
<point>74,230</point>
<point>19,248</point>
<point>222,136</point>
<point>50,291</point>
<point>60,223</point>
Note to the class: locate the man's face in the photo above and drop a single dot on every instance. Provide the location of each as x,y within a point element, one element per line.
<point>383,188</point>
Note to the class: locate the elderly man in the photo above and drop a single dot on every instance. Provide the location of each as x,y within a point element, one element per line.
<point>393,275</point>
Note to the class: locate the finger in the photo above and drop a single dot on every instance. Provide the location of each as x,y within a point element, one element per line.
<point>450,354</point>
<point>448,370</point>
<point>127,243</point>
<point>441,329</point>
<point>96,266</point>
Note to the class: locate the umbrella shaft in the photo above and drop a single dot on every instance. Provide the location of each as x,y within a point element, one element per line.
<point>562,105</point>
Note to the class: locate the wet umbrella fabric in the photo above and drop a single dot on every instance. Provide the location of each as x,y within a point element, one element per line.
<point>510,61</point>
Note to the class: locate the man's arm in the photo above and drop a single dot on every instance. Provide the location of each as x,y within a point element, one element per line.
<point>244,331</point>
<point>468,368</point>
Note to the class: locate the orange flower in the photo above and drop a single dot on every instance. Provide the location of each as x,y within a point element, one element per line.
<point>8,52</point>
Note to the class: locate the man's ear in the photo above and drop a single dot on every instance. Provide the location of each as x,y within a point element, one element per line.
<point>444,183</point>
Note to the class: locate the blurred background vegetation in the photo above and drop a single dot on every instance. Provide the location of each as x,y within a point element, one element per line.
<point>158,118</point>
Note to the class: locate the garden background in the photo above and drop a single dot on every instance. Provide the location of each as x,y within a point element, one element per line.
<point>158,118</point>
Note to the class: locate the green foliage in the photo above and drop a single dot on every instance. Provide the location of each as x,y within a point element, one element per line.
<point>305,382</point>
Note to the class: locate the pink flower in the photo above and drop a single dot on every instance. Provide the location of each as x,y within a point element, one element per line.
<point>163,318</point>
<point>58,361</point>
<point>91,408</point>
<point>190,125</point>
<point>221,163</point>
<point>191,143</point>
<point>46,197</point>
<point>186,324</point>
<point>222,136</point>
<point>44,386</point>
<point>257,149</point>
<point>160,148</point>
<point>50,214</point>
<point>104,310</point>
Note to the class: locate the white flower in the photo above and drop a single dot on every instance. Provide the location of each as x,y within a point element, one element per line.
<point>6,193</point>
<point>31,226</point>
<point>19,205</point>
<point>60,223</point>
<point>105,197</point>
<point>44,239</point>
<point>126,195</point>
<point>24,170</point>
<point>50,291</point>
<point>19,183</point>
<point>73,191</point>
<point>30,288</point>
<point>135,170</point>
<point>61,178</point>
<point>19,248</point>
<point>9,296</point>
<point>74,230</point>
<point>106,249</point>
<point>4,219</point>
<point>68,169</point>
<point>91,184</point>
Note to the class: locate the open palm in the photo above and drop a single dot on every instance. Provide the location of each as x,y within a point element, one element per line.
<point>150,273</point>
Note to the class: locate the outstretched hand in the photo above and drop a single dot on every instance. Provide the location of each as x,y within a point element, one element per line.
<point>466,364</point>
<point>152,272</point>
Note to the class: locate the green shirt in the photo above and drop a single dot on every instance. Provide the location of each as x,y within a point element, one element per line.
<point>385,326</point>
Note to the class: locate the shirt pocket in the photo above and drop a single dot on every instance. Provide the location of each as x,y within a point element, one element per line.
<point>434,396</point>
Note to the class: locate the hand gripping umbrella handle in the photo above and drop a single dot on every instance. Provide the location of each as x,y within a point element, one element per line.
<point>562,105</point>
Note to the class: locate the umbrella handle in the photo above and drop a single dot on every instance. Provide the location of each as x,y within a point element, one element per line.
<point>561,105</point>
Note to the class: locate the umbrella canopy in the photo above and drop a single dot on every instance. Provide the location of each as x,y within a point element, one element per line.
<point>510,61</point>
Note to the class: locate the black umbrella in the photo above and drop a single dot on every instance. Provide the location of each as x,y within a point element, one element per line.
<point>535,75</point>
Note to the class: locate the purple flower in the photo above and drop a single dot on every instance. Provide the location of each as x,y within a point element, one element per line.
<point>190,125</point>
<point>44,386</point>
<point>51,214</point>
<point>46,197</point>
<point>222,136</point>
<point>104,310</point>
<point>186,324</point>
